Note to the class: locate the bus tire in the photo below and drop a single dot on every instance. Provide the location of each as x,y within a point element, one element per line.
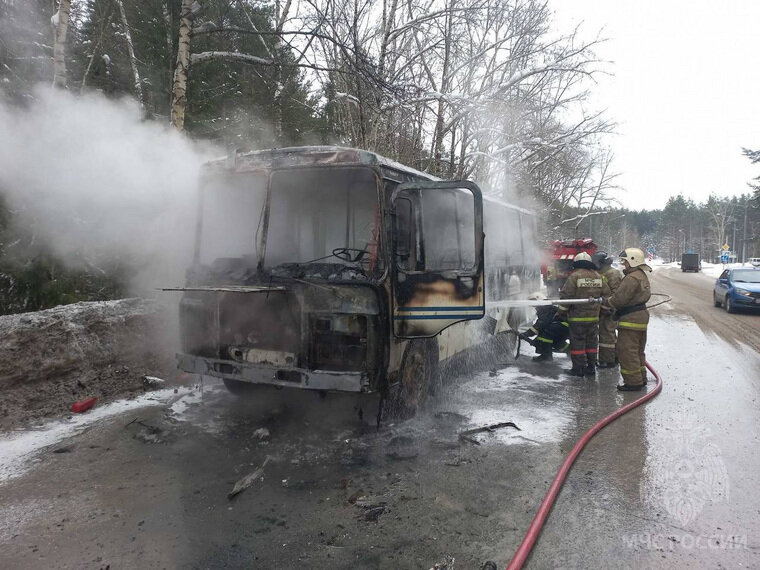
<point>417,377</point>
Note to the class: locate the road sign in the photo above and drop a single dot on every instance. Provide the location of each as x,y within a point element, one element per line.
<point>725,247</point>
<point>724,258</point>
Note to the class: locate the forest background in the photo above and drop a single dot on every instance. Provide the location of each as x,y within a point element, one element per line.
<point>488,90</point>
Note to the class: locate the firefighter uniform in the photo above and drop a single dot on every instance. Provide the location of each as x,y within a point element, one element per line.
<point>607,336</point>
<point>629,304</point>
<point>583,282</point>
<point>550,329</point>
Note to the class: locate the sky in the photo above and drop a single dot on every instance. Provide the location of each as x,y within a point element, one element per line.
<point>684,89</point>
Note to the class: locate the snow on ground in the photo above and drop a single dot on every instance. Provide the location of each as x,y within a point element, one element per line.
<point>715,269</point>
<point>710,269</point>
<point>18,450</point>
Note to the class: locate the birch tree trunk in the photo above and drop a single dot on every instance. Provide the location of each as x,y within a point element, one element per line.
<point>61,21</point>
<point>179,85</point>
<point>131,50</point>
<point>281,15</point>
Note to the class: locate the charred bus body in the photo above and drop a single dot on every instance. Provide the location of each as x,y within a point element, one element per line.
<point>335,269</point>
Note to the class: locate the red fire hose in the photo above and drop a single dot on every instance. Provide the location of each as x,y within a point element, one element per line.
<point>543,511</point>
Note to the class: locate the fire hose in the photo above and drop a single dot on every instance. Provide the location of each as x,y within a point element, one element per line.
<point>546,505</point>
<point>534,530</point>
<point>545,302</point>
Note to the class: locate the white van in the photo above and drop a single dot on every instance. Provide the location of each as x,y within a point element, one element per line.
<point>754,261</point>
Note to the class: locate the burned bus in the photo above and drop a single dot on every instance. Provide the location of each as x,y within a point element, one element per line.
<point>335,269</point>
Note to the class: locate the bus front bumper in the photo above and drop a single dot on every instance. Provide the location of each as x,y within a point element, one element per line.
<point>275,376</point>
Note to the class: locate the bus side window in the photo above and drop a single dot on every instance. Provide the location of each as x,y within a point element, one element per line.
<point>403,233</point>
<point>448,229</point>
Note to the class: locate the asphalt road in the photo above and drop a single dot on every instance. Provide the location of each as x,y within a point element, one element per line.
<point>670,485</point>
<point>693,296</point>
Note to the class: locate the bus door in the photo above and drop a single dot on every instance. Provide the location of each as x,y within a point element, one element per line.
<point>437,249</point>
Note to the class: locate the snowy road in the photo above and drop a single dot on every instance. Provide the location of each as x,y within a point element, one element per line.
<point>670,485</point>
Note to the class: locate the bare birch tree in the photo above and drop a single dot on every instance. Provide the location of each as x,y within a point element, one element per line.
<point>131,51</point>
<point>182,68</point>
<point>60,22</point>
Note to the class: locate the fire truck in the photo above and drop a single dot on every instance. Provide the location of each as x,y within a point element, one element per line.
<point>558,262</point>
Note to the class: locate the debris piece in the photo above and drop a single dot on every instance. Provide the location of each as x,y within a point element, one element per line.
<point>64,449</point>
<point>402,447</point>
<point>403,453</point>
<point>356,495</point>
<point>445,444</point>
<point>401,440</point>
<point>248,480</point>
<point>262,433</point>
<point>489,565</point>
<point>152,382</point>
<point>147,435</point>
<point>369,502</point>
<point>83,405</point>
<point>446,564</point>
<point>465,435</point>
<point>444,415</point>
<point>371,515</point>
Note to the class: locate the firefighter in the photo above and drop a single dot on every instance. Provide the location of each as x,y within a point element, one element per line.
<point>550,330</point>
<point>607,337</point>
<point>584,282</point>
<point>630,312</point>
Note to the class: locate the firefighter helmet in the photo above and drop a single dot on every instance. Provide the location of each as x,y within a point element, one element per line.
<point>537,296</point>
<point>634,256</point>
<point>582,256</point>
<point>601,258</point>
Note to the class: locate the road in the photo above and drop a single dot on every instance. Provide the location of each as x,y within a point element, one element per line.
<point>670,485</point>
<point>692,296</point>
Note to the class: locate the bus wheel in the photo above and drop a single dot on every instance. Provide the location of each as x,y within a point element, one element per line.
<point>417,377</point>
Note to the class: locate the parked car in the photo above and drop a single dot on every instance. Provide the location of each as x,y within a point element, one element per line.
<point>754,261</point>
<point>738,288</point>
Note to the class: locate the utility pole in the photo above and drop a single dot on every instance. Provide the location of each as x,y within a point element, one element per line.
<point>744,241</point>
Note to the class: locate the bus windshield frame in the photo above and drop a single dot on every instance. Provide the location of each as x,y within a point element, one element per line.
<point>315,211</point>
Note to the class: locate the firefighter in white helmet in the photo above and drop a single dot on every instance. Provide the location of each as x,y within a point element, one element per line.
<point>584,282</point>
<point>629,305</point>
<point>551,331</point>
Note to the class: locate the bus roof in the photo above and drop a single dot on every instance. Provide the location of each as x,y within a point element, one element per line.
<point>322,155</point>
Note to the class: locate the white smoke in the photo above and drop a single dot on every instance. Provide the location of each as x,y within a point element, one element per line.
<point>97,184</point>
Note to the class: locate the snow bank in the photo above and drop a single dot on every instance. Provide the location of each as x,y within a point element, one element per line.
<point>715,269</point>
<point>49,359</point>
<point>41,345</point>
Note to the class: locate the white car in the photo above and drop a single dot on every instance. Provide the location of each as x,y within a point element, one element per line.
<point>754,261</point>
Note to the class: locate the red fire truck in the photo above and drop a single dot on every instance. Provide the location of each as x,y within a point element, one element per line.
<point>558,262</point>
